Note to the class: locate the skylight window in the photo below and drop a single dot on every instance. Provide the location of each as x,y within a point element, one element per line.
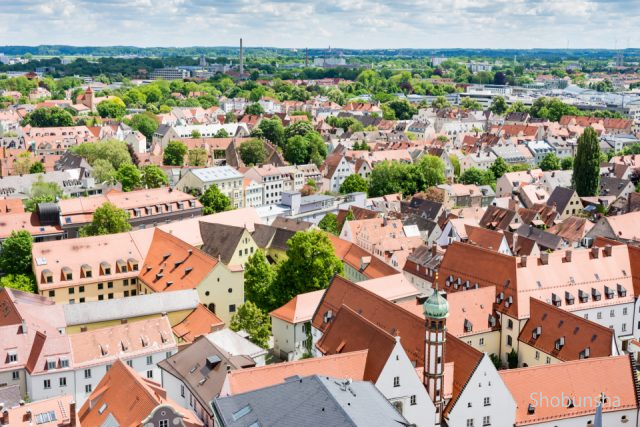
<point>241,413</point>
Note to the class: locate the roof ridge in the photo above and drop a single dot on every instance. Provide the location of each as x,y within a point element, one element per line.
<point>569,313</point>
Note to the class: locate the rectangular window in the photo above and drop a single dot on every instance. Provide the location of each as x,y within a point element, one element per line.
<point>100,286</point>
<point>100,297</point>
<point>47,384</point>
<point>64,363</point>
<point>548,360</point>
<point>51,364</point>
<point>481,341</point>
<point>110,285</point>
<point>110,296</point>
<point>81,289</point>
<point>509,340</point>
<point>624,327</point>
<point>182,390</point>
<point>163,423</point>
<point>624,311</point>
<point>52,294</point>
<point>72,291</point>
<point>396,381</point>
<point>149,374</point>
<point>612,313</point>
<point>167,354</point>
<point>232,308</point>
<point>413,399</point>
<point>470,422</point>
<point>130,363</point>
<point>487,401</point>
<point>486,420</point>
<point>13,357</point>
<point>149,360</point>
<point>82,299</point>
<point>63,381</point>
<point>15,375</point>
<point>87,373</point>
<point>599,315</point>
<point>87,388</point>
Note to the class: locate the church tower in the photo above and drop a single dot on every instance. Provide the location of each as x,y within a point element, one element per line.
<point>436,311</point>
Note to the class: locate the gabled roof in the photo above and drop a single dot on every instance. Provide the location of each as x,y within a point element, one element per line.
<point>544,239</point>
<point>347,365</point>
<point>488,239</point>
<point>220,240</point>
<point>53,412</point>
<point>357,258</point>
<point>201,321</point>
<point>465,361</point>
<point>576,332</point>
<point>560,198</point>
<point>349,332</point>
<point>300,308</point>
<point>580,379</point>
<point>172,264</point>
<point>498,218</point>
<point>572,229</point>
<point>309,401</point>
<point>106,403</point>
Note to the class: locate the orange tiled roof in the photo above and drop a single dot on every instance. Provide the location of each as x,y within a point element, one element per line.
<point>300,308</point>
<point>347,365</point>
<point>353,255</point>
<point>580,379</point>
<point>201,321</point>
<point>578,333</point>
<point>142,397</point>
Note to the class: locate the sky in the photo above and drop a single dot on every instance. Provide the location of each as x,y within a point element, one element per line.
<point>364,24</point>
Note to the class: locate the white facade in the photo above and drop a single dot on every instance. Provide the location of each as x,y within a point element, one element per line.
<point>485,395</point>
<point>342,171</point>
<point>289,339</point>
<point>180,394</point>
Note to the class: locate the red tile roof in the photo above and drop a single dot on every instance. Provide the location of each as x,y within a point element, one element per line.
<point>300,308</point>
<point>201,321</point>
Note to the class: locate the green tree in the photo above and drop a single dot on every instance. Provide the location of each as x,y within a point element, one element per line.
<point>197,156</point>
<point>49,117</point>
<point>258,281</point>
<point>550,162</point>
<point>402,109</point>
<point>353,184</point>
<point>15,253</point>
<point>153,176</point>
<point>253,321</point>
<point>272,130</point>
<point>174,153</point>
<point>230,117</point>
<point>299,128</point>
<point>477,177</point>
<point>495,359</point>
<point>222,133</point>
<point>254,109</point>
<point>195,134</point>
<point>566,163</point>
<point>440,102</point>
<point>20,282</point>
<point>296,150</point>
<point>214,201</point>
<point>103,171</point>
<point>145,123</point>
<point>311,263</point>
<point>114,151</point>
<point>329,223</point>
<point>107,219</point>
<point>512,359</point>
<point>499,105</point>
<point>129,176</point>
<point>113,108</point>
<point>586,166</point>
<point>456,164</point>
<point>499,168</point>
<point>470,104</point>
<point>36,167</point>
<point>253,152</point>
<point>42,192</point>
<point>432,170</point>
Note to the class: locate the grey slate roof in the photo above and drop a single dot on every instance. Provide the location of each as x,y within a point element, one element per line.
<point>10,396</point>
<point>310,401</point>
<point>124,308</point>
<point>220,240</point>
<point>612,186</point>
<point>544,239</point>
<point>560,197</point>
<point>426,208</point>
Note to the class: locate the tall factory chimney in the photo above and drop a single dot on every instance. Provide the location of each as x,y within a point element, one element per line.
<point>241,58</point>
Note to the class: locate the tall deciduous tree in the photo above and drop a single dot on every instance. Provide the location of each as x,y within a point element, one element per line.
<point>432,170</point>
<point>153,177</point>
<point>214,201</point>
<point>145,123</point>
<point>49,117</point>
<point>499,168</point>
<point>112,108</point>
<point>354,183</point>
<point>42,192</point>
<point>311,263</point>
<point>258,280</point>
<point>197,156</point>
<point>15,256</point>
<point>329,223</point>
<point>107,219</point>
<point>174,153</point>
<point>499,105</point>
<point>586,166</point>
<point>550,162</point>
<point>129,176</point>
<point>272,130</point>
<point>253,321</point>
<point>253,152</point>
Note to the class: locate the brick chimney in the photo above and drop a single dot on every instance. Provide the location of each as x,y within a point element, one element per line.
<point>72,414</point>
<point>607,250</point>
<point>434,249</point>
<point>567,256</point>
<point>595,251</point>
<point>4,418</point>
<point>544,258</point>
<point>523,261</point>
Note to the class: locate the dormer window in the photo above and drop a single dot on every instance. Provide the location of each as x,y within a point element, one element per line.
<point>64,363</point>
<point>622,292</point>
<point>47,276</point>
<point>595,294</point>
<point>583,296</point>
<point>106,268</point>
<point>555,300</point>
<point>559,343</point>
<point>121,266</point>
<point>180,205</point>
<point>608,292</point>
<point>468,326</point>
<point>568,296</point>
<point>66,273</point>
<point>51,364</point>
<point>136,212</point>
<point>133,264</point>
<point>86,270</point>
<point>584,354</point>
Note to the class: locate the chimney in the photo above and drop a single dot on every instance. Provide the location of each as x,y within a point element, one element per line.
<point>523,261</point>
<point>241,58</point>
<point>27,415</point>
<point>607,250</point>
<point>567,256</point>
<point>306,58</point>
<point>544,258</point>
<point>434,249</point>
<point>72,414</point>
<point>24,326</point>
<point>4,418</point>
<point>595,251</point>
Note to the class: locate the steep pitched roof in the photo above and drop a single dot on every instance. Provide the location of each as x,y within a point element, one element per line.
<point>572,229</point>
<point>220,240</point>
<point>498,218</point>
<point>300,308</point>
<point>172,264</point>
<point>359,259</point>
<point>465,361</point>
<point>142,397</point>
<point>580,379</point>
<point>346,365</point>
<point>576,333</point>
<point>560,197</point>
<point>201,321</point>
<point>349,332</point>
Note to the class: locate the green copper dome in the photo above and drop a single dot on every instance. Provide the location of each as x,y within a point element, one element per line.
<point>436,306</point>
